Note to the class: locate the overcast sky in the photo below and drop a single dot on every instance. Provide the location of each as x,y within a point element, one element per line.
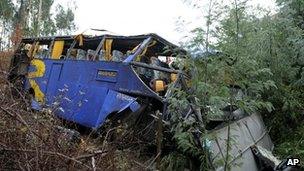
<point>139,16</point>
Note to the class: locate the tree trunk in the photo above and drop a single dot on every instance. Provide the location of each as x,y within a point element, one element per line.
<point>20,22</point>
<point>39,17</point>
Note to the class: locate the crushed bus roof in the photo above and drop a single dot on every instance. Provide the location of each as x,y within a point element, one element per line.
<point>119,42</point>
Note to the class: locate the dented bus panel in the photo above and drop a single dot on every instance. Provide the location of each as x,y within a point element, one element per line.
<point>87,91</point>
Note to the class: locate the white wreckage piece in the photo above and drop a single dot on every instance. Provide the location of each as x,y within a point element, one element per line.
<point>250,147</point>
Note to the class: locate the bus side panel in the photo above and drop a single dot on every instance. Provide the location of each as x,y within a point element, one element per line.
<point>80,91</point>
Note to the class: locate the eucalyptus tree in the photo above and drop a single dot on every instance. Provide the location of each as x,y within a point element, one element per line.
<point>44,22</point>
<point>33,18</point>
<point>64,20</point>
<point>6,18</point>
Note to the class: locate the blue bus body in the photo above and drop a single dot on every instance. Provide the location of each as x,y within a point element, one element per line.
<point>86,92</point>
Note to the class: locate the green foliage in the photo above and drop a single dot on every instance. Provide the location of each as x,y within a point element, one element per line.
<point>44,23</point>
<point>269,67</point>
<point>35,17</point>
<point>64,20</point>
<point>282,50</point>
<point>188,137</point>
<point>264,56</point>
<point>265,61</point>
<point>6,17</point>
<point>174,161</point>
<point>6,10</point>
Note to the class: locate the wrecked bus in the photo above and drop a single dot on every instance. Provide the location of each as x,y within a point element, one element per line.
<point>87,79</point>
